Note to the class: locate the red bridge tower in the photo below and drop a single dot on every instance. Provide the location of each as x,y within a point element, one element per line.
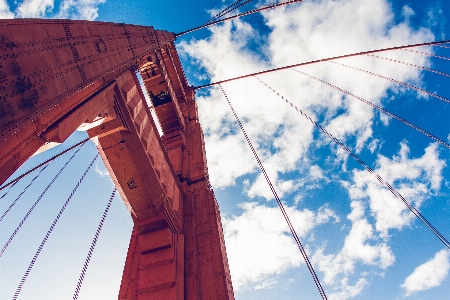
<point>58,74</point>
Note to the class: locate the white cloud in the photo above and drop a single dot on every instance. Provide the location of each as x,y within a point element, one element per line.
<point>101,170</point>
<point>80,9</point>
<point>316,172</point>
<point>414,178</point>
<point>260,245</point>
<point>428,275</point>
<point>34,8</point>
<point>348,291</point>
<point>5,12</point>
<point>68,9</point>
<point>359,247</point>
<point>286,142</point>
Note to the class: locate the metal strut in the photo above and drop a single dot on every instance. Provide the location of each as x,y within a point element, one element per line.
<point>91,249</point>
<point>369,169</point>
<point>33,261</point>
<point>280,204</point>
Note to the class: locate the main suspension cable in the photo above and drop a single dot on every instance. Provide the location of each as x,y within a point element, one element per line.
<point>369,169</point>
<point>44,163</point>
<point>23,192</point>
<point>445,144</point>
<point>33,261</point>
<point>94,242</point>
<point>253,11</point>
<point>280,204</point>
<point>321,60</point>
<point>396,81</point>
<point>36,203</point>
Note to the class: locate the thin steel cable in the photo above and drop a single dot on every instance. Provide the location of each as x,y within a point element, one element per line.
<point>27,272</point>
<point>36,203</point>
<point>396,81</point>
<point>280,204</point>
<point>23,192</point>
<point>320,60</point>
<point>44,163</point>
<point>442,46</point>
<point>369,169</point>
<point>445,144</point>
<point>235,5</point>
<point>91,249</point>
<point>6,193</point>
<point>253,11</point>
<point>411,65</point>
<point>426,53</point>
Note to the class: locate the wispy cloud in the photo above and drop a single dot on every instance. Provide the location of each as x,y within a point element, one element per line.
<point>66,9</point>
<point>415,178</point>
<point>259,244</point>
<point>428,275</point>
<point>34,8</point>
<point>5,12</point>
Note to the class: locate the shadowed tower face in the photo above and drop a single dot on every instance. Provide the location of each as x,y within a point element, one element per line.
<point>58,74</point>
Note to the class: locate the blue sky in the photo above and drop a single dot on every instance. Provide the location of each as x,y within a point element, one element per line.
<point>362,242</point>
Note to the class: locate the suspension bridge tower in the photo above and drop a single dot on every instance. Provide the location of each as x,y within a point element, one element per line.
<point>56,75</point>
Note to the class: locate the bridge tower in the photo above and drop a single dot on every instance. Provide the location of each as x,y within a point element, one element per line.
<point>56,75</point>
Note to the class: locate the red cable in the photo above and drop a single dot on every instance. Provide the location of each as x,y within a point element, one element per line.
<point>396,81</point>
<point>411,65</point>
<point>91,249</point>
<point>331,58</point>
<point>41,246</point>
<point>380,109</point>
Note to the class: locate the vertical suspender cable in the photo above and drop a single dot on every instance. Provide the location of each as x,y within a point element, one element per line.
<point>36,203</point>
<point>395,81</point>
<point>33,261</point>
<point>280,204</point>
<point>23,192</point>
<point>411,65</point>
<point>10,187</point>
<point>369,169</point>
<point>431,136</point>
<point>44,163</point>
<point>91,249</point>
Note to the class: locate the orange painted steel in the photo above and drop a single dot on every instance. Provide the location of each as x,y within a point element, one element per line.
<point>58,74</point>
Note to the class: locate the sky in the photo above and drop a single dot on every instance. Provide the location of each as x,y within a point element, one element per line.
<point>362,241</point>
